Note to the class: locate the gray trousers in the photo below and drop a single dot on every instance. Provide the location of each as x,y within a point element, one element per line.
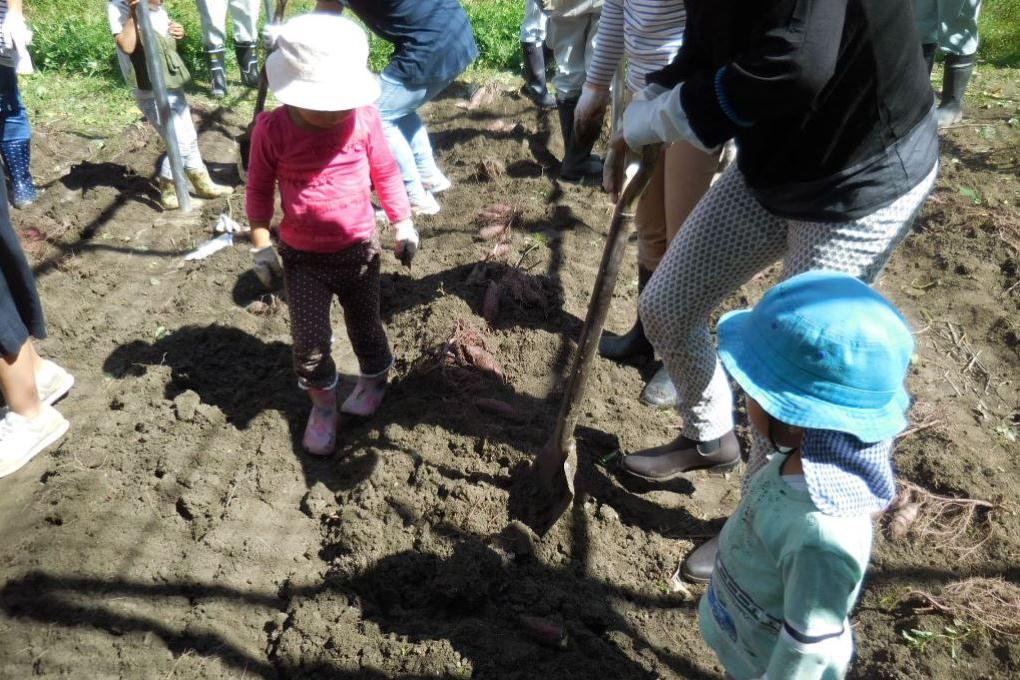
<point>572,40</point>
<point>728,238</point>
<point>534,24</point>
<point>213,13</point>
<point>950,24</point>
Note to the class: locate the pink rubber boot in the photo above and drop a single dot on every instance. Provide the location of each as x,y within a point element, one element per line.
<point>320,433</point>
<point>367,395</point>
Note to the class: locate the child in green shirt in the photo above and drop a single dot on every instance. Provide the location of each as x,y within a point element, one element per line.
<point>822,360</point>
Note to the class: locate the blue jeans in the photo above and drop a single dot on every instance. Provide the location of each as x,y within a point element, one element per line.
<point>14,125</point>
<point>405,131</point>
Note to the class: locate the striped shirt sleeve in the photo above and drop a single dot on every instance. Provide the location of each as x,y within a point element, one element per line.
<point>648,32</point>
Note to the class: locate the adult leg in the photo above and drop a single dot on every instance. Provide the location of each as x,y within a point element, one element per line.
<point>397,102</point>
<point>413,128</point>
<point>959,39</point>
<point>213,15</point>
<point>572,40</point>
<point>926,13</point>
<point>727,239</point>
<point>533,30</point>
<point>688,173</point>
<point>17,382</point>
<point>649,223</point>
<point>16,144</point>
<point>245,14</point>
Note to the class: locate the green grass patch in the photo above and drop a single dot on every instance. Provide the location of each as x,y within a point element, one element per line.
<point>1000,32</point>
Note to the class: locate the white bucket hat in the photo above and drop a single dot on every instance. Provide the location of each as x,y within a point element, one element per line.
<point>320,62</point>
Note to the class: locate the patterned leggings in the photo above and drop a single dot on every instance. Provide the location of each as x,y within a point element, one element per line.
<point>311,280</point>
<point>729,238</point>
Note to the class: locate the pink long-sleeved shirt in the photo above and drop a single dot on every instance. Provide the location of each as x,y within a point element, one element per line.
<point>325,179</point>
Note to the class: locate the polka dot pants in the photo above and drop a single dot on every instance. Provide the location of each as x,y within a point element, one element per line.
<point>729,238</point>
<point>311,280</point>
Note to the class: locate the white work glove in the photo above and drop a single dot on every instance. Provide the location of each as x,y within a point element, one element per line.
<point>591,109</point>
<point>649,92</point>
<point>270,34</point>
<point>227,225</point>
<point>266,266</point>
<point>661,119</point>
<point>406,241</point>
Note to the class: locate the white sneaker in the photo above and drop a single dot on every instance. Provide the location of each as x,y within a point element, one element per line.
<point>437,184</point>
<point>427,206</point>
<point>22,439</point>
<point>53,382</point>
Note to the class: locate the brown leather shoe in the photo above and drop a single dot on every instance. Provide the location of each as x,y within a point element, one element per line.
<point>662,463</point>
<point>698,566</point>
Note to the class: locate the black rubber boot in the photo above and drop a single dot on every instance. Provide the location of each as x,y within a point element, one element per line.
<point>535,87</point>
<point>632,345</point>
<point>217,72</point>
<point>954,84</point>
<point>928,50</point>
<point>248,63</point>
<point>579,163</point>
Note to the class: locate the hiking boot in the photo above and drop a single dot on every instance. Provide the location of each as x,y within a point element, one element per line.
<point>320,432</point>
<point>248,63</point>
<point>579,163</point>
<point>660,391</point>
<point>21,438</point>
<point>682,455</point>
<point>367,395</point>
<point>956,75</point>
<point>168,194</point>
<point>204,186</point>
<point>698,566</point>
<point>17,154</point>
<point>535,87</point>
<point>217,72</point>
<point>632,345</point>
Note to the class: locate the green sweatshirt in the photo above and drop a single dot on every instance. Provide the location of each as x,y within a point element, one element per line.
<point>785,580</point>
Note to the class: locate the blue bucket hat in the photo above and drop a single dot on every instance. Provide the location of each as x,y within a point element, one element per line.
<point>823,350</point>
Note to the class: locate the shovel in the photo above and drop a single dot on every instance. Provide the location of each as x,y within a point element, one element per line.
<point>244,139</point>
<point>154,65</point>
<point>552,473</point>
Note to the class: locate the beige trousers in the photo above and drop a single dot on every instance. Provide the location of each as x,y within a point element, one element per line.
<point>681,178</point>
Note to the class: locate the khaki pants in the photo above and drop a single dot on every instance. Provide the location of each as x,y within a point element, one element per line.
<point>681,178</point>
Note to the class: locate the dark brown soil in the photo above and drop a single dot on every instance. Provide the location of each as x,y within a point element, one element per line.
<point>178,531</point>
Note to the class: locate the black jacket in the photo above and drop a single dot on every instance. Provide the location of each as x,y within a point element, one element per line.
<point>829,100</point>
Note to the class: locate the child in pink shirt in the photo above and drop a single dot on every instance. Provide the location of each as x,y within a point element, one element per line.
<point>325,150</point>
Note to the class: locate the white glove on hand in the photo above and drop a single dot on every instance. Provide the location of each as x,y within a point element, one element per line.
<point>661,119</point>
<point>649,92</point>
<point>266,266</point>
<point>406,242</point>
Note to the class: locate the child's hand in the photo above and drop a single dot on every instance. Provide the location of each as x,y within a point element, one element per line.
<point>266,266</point>
<point>176,31</point>
<point>407,242</point>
